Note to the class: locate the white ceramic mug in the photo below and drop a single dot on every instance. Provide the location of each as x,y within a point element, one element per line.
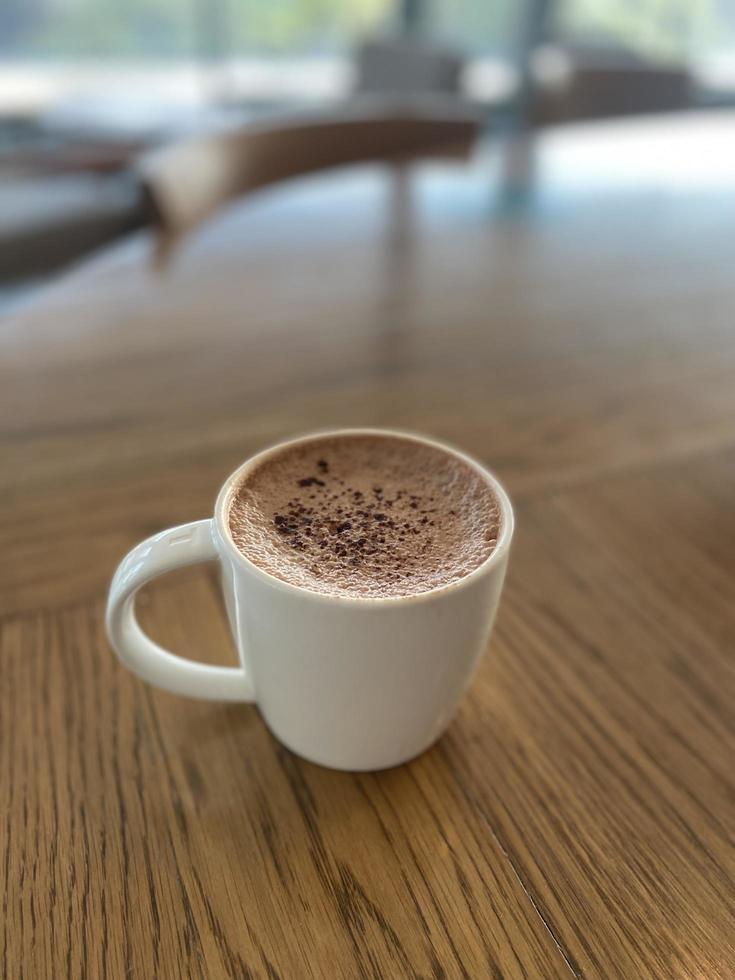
<point>351,683</point>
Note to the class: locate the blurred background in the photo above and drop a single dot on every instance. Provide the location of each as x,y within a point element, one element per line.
<point>86,86</point>
<point>531,258</point>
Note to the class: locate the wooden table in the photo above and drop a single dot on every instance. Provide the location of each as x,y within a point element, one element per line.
<point>577,819</point>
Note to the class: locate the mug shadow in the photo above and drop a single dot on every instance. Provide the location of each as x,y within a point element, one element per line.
<point>253,798</point>
<point>301,793</point>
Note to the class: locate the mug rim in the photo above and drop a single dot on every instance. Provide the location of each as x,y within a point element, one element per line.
<point>499,552</point>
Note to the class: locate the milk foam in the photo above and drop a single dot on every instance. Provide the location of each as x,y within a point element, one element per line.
<point>365,516</point>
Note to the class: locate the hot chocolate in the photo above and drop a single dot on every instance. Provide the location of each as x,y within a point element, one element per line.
<point>364,515</point>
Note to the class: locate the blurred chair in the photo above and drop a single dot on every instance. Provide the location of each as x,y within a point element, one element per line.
<point>563,82</point>
<point>60,197</point>
<point>407,67</point>
<point>581,83</point>
<point>49,222</point>
<point>187,182</point>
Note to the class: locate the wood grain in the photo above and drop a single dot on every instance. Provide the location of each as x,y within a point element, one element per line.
<point>578,818</point>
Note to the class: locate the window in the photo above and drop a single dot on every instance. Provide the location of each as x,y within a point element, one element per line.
<point>682,30</point>
<point>144,29</point>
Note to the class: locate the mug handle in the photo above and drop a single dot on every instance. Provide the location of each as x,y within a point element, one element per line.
<point>179,546</point>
